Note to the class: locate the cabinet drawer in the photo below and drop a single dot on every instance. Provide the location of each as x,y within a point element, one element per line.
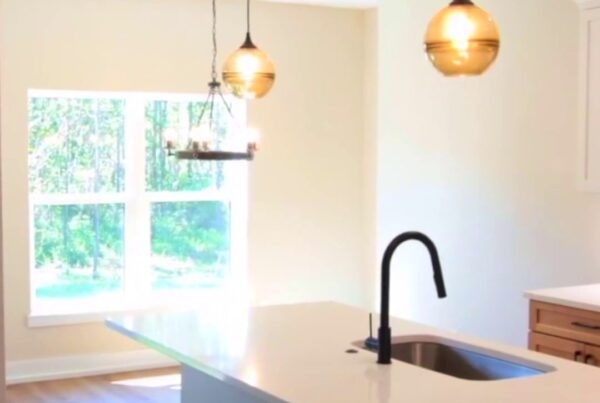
<point>564,348</point>
<point>570,323</point>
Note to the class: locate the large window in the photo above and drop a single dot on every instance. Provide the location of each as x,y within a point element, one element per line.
<point>113,217</point>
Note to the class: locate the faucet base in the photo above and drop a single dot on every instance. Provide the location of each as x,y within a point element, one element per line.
<point>384,355</point>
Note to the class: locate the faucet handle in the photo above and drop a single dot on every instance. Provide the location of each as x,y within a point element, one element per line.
<point>371,343</point>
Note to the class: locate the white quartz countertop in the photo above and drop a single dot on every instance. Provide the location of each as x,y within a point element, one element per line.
<point>296,353</point>
<point>582,297</point>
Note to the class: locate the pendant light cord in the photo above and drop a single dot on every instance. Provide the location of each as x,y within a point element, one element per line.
<point>214,41</point>
<point>248,17</point>
<point>248,42</point>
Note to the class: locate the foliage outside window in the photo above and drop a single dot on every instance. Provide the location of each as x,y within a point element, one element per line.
<point>111,213</point>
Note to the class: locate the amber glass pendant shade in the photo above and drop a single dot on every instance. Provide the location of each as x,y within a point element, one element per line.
<point>249,72</point>
<point>462,40</point>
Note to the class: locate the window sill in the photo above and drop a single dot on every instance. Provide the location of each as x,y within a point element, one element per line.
<point>75,312</point>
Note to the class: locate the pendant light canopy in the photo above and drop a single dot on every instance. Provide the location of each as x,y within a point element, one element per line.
<point>462,39</point>
<point>249,72</point>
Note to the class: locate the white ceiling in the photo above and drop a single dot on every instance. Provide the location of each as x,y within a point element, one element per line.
<point>333,3</point>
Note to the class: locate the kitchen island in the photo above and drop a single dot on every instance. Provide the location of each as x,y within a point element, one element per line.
<point>299,353</point>
<point>565,322</point>
<point>585,297</point>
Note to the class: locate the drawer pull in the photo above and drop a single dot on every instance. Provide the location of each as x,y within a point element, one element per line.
<point>589,359</point>
<point>586,325</point>
<point>577,355</point>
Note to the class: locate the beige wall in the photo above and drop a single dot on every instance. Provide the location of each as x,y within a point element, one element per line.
<point>486,166</point>
<point>306,209</point>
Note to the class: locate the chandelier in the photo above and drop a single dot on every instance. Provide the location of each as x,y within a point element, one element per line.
<point>203,141</point>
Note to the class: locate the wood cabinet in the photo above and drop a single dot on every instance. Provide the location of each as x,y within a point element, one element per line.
<point>564,348</point>
<point>570,333</point>
<point>592,355</point>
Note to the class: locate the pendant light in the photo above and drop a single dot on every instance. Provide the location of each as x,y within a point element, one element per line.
<point>248,72</point>
<point>462,39</point>
<point>203,141</point>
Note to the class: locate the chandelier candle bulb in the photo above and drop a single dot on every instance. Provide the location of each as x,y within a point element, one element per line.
<point>170,136</point>
<point>252,136</point>
<point>201,134</point>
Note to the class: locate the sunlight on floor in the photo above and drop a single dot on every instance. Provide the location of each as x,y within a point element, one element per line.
<point>173,381</point>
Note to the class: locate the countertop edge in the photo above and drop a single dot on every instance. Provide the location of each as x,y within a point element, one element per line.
<point>535,296</point>
<point>201,367</point>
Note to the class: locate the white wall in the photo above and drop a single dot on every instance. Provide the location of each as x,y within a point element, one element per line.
<point>306,208</point>
<point>2,346</point>
<point>369,189</point>
<point>486,167</point>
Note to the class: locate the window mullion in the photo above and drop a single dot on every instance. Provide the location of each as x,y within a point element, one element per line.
<point>236,188</point>
<point>137,211</point>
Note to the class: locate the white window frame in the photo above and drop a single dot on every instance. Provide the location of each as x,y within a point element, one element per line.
<point>137,293</point>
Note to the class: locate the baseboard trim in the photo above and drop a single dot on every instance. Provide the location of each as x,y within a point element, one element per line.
<point>46,369</point>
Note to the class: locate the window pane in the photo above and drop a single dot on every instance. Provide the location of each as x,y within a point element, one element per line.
<point>164,173</point>
<point>76,145</point>
<point>78,250</point>
<point>190,244</point>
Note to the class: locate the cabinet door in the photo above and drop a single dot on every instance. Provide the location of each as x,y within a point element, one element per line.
<point>589,104</point>
<point>558,347</point>
<point>592,355</point>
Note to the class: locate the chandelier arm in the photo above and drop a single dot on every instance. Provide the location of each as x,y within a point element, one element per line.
<point>230,111</point>
<point>211,111</point>
<point>227,106</point>
<point>203,110</point>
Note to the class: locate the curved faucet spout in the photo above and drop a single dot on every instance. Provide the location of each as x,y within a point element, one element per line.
<point>385,333</point>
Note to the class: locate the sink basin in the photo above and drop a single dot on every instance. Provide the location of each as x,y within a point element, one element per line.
<point>463,361</point>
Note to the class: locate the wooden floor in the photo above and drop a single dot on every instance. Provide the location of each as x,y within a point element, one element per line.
<point>158,386</point>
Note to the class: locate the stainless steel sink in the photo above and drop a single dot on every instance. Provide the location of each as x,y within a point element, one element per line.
<point>463,361</point>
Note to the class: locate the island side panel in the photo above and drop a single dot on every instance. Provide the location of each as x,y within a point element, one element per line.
<point>198,387</point>
<point>2,345</point>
